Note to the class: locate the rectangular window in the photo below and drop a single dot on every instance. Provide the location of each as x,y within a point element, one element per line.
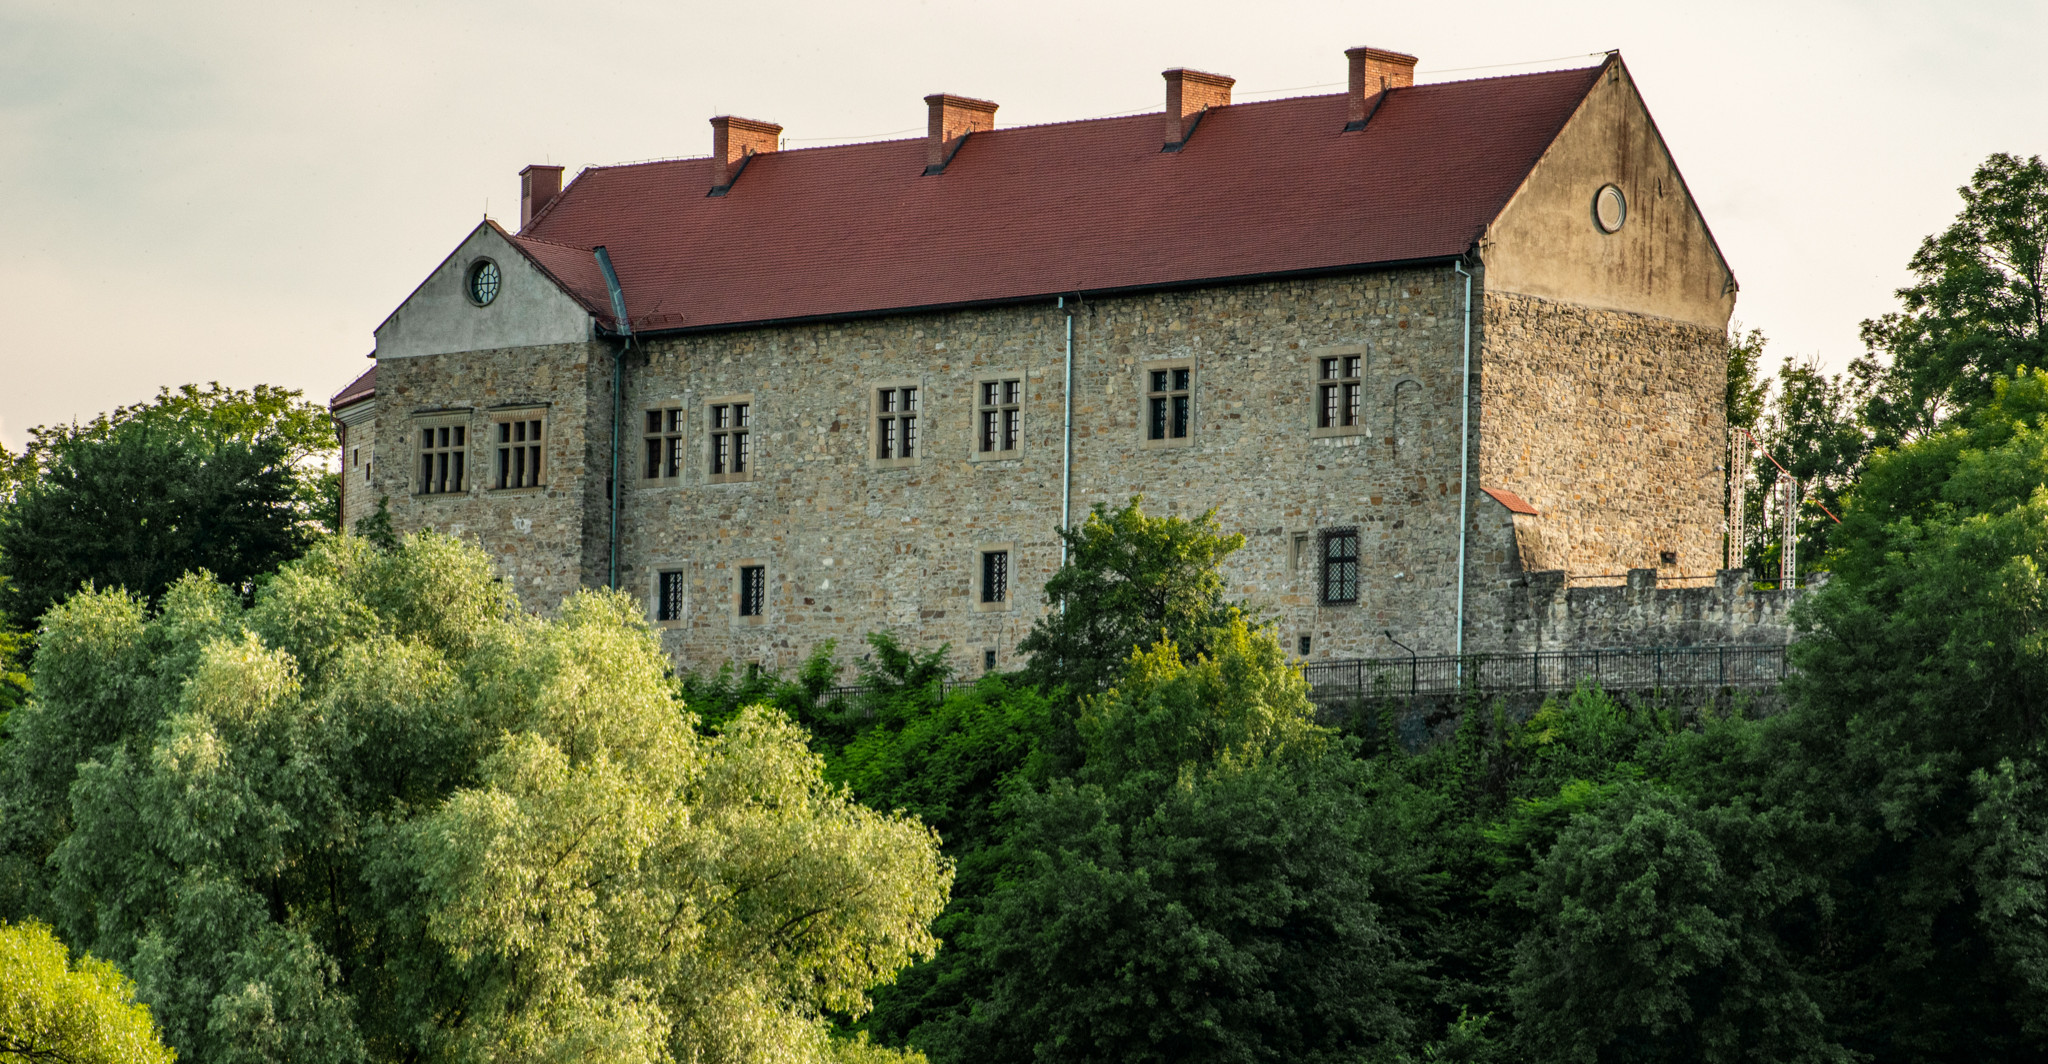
<point>518,453</point>
<point>731,433</point>
<point>1340,567</point>
<point>999,417</point>
<point>753,590</point>
<point>995,576</point>
<point>662,443</point>
<point>668,596</point>
<point>1337,391</point>
<point>442,450</point>
<point>1168,403</point>
<point>896,424</point>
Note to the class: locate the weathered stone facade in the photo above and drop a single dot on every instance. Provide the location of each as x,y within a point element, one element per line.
<point>851,546</point>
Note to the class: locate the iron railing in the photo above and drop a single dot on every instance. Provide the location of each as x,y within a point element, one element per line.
<point>1620,668</point>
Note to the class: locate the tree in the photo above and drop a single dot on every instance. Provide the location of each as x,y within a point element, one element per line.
<point>1129,581</point>
<point>54,1010</point>
<point>1812,428</point>
<point>1198,891</point>
<point>228,481</point>
<point>1975,312</point>
<point>382,814</point>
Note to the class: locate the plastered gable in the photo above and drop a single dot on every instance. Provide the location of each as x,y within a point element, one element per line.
<point>1663,260</point>
<point>438,318</point>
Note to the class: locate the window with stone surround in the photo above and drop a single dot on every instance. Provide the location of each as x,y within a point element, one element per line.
<point>1169,413</point>
<point>515,438</point>
<point>752,591</point>
<point>992,571</point>
<point>442,465</point>
<point>1340,567</point>
<point>999,417</point>
<point>730,446</point>
<point>661,438</point>
<point>670,596</point>
<point>896,424</point>
<point>1339,394</point>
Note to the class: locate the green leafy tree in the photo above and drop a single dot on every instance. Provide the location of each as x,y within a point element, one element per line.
<point>1198,891</point>
<point>1975,312</point>
<point>214,478</point>
<point>1812,426</point>
<point>56,1011</point>
<point>382,814</point>
<point>1130,581</point>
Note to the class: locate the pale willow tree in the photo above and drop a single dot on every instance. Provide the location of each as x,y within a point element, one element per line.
<point>383,815</point>
<point>54,1010</point>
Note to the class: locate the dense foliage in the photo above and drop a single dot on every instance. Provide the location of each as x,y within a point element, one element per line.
<point>52,1009</point>
<point>381,814</point>
<point>232,482</point>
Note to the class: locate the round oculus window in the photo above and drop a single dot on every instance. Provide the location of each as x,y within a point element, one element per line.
<point>482,286</point>
<point>1610,208</point>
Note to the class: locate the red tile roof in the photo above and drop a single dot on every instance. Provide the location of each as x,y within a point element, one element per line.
<point>361,388</point>
<point>1511,500</point>
<point>1261,188</point>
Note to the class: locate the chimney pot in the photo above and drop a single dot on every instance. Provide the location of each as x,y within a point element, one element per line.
<point>1373,71</point>
<point>733,139</point>
<point>952,118</point>
<point>538,187</point>
<point>1188,94</point>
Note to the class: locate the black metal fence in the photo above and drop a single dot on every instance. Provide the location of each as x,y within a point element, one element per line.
<point>1550,670</point>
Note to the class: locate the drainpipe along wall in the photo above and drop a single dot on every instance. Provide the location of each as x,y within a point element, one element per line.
<point>1067,442</point>
<point>1464,464</point>
<point>623,328</point>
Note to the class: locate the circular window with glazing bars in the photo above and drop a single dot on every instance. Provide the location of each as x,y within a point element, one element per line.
<point>482,286</point>
<point>1610,208</point>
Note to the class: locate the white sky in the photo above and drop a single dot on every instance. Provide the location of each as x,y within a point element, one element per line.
<point>241,191</point>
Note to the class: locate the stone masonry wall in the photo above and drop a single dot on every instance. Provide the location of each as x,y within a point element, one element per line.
<point>850,546</point>
<point>1612,426</point>
<point>538,535</point>
<point>1542,613</point>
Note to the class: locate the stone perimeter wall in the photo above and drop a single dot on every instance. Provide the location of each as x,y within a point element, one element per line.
<point>1541,612</point>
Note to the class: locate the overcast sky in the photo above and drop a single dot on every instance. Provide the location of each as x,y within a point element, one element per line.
<point>241,191</point>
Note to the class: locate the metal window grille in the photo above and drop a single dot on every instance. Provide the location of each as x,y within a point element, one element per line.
<point>668,597</point>
<point>1339,393</point>
<point>1169,403</point>
<point>753,590</point>
<point>519,453</point>
<point>896,423</point>
<point>442,451</point>
<point>995,576</point>
<point>1340,566</point>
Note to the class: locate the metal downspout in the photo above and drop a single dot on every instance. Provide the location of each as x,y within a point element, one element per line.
<point>623,328</point>
<point>1067,443</point>
<point>1464,467</point>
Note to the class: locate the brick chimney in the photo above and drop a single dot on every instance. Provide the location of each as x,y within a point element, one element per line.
<point>733,141</point>
<point>1188,94</point>
<point>1373,71</point>
<point>952,118</point>
<point>538,187</point>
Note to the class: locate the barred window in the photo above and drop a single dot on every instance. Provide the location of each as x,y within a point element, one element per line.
<point>519,453</point>
<point>1340,567</point>
<point>995,576</point>
<point>731,433</point>
<point>999,412</point>
<point>442,450</point>
<point>753,590</point>
<point>668,596</point>
<point>662,439</point>
<point>1338,391</point>
<point>896,424</point>
<point>1169,403</point>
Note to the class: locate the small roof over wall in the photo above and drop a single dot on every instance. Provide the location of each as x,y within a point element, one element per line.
<point>1512,501</point>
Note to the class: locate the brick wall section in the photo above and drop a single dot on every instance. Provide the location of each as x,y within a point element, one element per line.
<point>1612,425</point>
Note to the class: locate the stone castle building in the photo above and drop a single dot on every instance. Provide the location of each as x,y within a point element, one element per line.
<point>858,387</point>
